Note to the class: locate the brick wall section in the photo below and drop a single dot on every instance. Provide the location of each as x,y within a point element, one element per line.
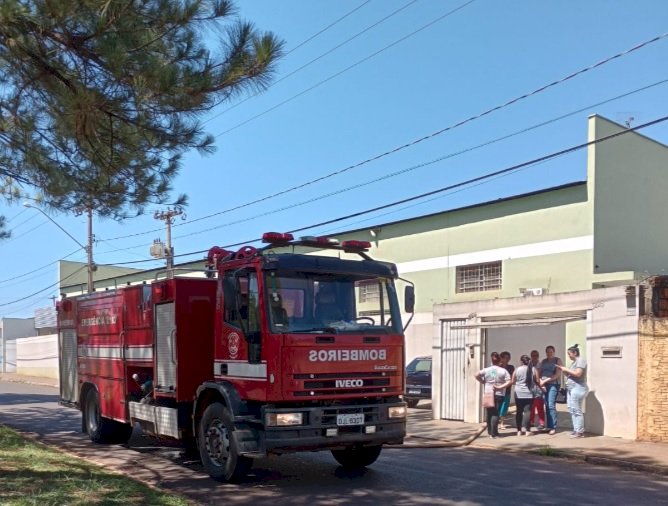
<point>653,378</point>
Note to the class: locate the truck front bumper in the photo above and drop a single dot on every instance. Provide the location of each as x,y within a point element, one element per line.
<point>325,427</point>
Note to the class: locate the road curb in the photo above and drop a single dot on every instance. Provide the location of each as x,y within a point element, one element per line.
<point>27,381</point>
<point>549,451</point>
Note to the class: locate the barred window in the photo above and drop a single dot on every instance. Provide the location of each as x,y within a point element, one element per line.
<point>369,291</point>
<point>479,277</point>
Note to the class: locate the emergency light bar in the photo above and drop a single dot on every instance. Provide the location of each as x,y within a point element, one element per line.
<point>276,238</point>
<point>321,240</point>
<point>354,246</point>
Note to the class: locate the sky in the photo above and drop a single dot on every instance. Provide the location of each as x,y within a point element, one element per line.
<point>375,102</point>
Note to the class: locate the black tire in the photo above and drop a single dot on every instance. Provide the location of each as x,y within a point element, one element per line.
<point>217,446</point>
<point>100,429</point>
<point>357,457</point>
<point>412,402</point>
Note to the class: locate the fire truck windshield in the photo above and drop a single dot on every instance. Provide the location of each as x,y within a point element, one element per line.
<point>317,302</point>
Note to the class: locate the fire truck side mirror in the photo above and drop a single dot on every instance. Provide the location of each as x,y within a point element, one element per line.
<point>409,299</point>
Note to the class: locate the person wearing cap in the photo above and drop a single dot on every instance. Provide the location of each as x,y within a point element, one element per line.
<point>576,384</point>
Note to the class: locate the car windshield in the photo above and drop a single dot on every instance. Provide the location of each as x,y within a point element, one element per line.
<point>317,303</point>
<point>419,365</point>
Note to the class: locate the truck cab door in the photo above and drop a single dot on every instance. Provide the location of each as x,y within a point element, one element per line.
<point>241,319</point>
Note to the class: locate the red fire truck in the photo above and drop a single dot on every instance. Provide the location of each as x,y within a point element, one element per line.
<point>278,349</point>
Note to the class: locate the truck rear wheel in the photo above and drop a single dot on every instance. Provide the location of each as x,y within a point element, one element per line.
<point>217,445</point>
<point>100,429</point>
<point>357,457</point>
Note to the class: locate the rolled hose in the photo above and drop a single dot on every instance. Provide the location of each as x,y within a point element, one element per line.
<point>442,444</point>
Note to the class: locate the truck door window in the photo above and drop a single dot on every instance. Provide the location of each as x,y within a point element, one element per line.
<point>240,299</point>
<point>253,295</point>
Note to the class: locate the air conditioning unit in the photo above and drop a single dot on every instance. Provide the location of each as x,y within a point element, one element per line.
<point>535,291</point>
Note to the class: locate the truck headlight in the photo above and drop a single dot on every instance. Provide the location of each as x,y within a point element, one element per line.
<point>397,412</point>
<point>284,419</point>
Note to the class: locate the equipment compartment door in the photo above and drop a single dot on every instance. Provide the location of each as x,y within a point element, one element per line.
<point>69,377</point>
<point>165,348</point>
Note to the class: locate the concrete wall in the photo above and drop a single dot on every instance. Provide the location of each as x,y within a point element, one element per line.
<point>611,321</point>
<point>10,330</point>
<point>13,328</point>
<point>628,184</point>
<point>418,335</point>
<point>611,406</point>
<point>8,361</point>
<point>37,356</point>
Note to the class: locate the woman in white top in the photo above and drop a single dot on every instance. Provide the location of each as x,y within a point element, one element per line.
<point>492,378</point>
<point>576,384</point>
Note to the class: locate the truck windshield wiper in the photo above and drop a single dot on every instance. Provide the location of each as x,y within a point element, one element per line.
<point>330,330</point>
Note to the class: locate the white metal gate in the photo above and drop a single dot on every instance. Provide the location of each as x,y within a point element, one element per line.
<point>453,369</point>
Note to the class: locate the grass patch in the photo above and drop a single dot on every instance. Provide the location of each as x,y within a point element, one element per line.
<point>34,474</point>
<point>547,451</point>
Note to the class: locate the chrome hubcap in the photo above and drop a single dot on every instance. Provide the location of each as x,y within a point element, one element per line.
<point>218,442</point>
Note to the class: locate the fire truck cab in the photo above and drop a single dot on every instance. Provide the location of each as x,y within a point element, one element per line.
<point>274,351</point>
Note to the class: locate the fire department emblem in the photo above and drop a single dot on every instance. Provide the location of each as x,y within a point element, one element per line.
<point>233,344</point>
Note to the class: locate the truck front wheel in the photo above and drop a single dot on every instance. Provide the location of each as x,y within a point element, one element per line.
<point>357,457</point>
<point>217,445</point>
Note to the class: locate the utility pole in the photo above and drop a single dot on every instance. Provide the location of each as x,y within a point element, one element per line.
<point>89,249</point>
<point>168,217</point>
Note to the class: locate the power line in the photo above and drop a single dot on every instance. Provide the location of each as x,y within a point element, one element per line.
<point>467,182</point>
<point>421,139</point>
<point>44,289</point>
<point>417,166</point>
<point>350,39</point>
<point>363,60</point>
<point>486,176</point>
<point>327,28</point>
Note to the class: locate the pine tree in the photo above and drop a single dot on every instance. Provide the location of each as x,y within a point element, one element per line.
<point>100,98</point>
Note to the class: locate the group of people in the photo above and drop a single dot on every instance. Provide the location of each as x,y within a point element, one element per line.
<point>536,384</point>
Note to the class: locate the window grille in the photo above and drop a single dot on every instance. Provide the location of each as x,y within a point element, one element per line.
<point>479,277</point>
<point>369,291</point>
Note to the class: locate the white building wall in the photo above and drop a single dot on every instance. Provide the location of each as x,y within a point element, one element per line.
<point>10,353</point>
<point>612,321</point>
<point>612,403</point>
<point>10,330</point>
<point>419,335</point>
<point>37,356</point>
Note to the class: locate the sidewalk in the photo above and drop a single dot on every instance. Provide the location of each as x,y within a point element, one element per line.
<point>424,432</point>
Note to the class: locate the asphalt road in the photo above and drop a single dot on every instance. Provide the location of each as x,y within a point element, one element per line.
<point>459,476</point>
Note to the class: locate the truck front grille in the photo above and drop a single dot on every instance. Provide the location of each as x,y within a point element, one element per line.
<point>333,384</point>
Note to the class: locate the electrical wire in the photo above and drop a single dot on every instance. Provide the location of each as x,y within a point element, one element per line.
<point>419,140</point>
<point>38,269</point>
<point>417,166</point>
<point>350,39</point>
<point>326,28</point>
<point>44,289</point>
<point>350,67</point>
<point>470,181</point>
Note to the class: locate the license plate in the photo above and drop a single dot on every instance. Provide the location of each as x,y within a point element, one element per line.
<point>414,392</point>
<point>350,419</point>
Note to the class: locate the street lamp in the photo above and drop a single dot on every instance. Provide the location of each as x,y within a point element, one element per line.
<point>88,249</point>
